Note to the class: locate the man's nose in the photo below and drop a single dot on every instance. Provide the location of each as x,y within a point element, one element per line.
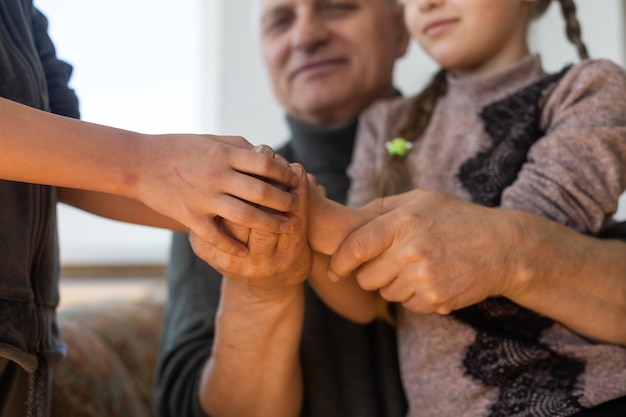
<point>309,32</point>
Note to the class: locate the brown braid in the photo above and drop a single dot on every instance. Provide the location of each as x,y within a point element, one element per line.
<point>568,8</point>
<point>394,177</point>
<point>572,26</point>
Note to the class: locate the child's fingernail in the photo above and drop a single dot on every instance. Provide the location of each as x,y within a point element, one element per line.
<point>284,226</point>
<point>264,149</point>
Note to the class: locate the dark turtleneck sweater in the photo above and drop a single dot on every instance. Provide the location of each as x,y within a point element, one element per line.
<point>324,152</point>
<point>349,370</point>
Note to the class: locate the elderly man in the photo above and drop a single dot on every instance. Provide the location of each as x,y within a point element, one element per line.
<point>327,61</point>
<point>260,342</point>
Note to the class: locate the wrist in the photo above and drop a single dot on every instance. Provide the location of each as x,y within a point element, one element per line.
<point>532,252</point>
<point>136,160</point>
<point>244,296</point>
<point>244,318</point>
<point>250,332</point>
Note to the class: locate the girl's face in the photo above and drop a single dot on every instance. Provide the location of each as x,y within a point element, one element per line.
<point>470,37</point>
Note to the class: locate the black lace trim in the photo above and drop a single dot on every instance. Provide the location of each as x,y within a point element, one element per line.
<point>513,126</point>
<point>507,353</point>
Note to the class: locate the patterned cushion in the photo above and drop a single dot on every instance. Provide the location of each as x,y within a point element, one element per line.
<point>112,352</point>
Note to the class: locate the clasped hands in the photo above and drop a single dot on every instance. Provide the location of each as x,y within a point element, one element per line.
<point>429,251</point>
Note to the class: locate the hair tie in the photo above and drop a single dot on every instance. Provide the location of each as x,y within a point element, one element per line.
<point>398,147</point>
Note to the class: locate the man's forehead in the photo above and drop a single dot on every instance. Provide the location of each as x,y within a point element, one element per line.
<point>272,4</point>
<point>265,5</point>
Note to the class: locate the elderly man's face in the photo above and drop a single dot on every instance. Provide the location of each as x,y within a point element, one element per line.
<point>328,59</point>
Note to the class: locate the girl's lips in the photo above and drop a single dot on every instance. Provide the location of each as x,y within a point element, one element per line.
<point>436,27</point>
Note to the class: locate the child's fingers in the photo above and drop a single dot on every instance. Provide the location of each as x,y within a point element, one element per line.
<point>263,165</point>
<point>256,191</point>
<point>263,243</point>
<point>265,150</point>
<point>242,213</point>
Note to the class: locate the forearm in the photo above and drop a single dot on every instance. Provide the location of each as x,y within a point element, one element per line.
<point>329,222</point>
<point>117,208</point>
<point>345,296</point>
<point>254,369</point>
<point>40,147</point>
<point>577,280</point>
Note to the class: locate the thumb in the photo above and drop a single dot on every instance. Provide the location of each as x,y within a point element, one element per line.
<point>301,191</point>
<point>361,246</point>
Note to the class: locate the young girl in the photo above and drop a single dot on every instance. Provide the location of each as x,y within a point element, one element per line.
<point>494,129</point>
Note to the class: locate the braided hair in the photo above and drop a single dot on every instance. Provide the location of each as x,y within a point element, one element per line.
<point>572,25</point>
<point>395,178</point>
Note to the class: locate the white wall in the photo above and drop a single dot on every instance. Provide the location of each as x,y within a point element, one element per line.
<point>138,66</point>
<point>193,65</point>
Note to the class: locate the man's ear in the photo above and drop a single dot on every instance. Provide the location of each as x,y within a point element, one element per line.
<point>402,34</point>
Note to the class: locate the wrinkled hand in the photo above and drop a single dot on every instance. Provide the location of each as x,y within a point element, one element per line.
<point>430,252</point>
<point>276,261</point>
<point>198,180</point>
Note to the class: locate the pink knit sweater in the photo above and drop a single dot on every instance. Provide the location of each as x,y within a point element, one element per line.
<point>551,145</point>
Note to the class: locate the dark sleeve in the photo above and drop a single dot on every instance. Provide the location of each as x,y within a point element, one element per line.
<point>285,151</point>
<point>617,231</point>
<point>613,408</point>
<point>62,98</point>
<point>193,293</point>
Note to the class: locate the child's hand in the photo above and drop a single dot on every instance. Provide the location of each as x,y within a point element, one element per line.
<point>198,180</point>
<point>242,232</point>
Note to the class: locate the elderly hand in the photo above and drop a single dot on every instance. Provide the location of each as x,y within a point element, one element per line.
<point>431,252</point>
<point>276,262</point>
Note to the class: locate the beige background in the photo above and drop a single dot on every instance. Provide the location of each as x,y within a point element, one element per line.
<point>192,65</point>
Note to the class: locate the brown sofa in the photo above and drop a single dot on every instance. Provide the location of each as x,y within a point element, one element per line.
<point>112,352</point>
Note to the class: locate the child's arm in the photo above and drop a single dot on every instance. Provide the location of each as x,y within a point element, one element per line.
<point>117,208</point>
<point>328,224</point>
<point>190,178</point>
<point>345,296</point>
<point>132,211</point>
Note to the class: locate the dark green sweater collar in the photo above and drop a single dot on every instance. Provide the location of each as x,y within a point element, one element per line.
<point>322,147</point>
<point>324,152</point>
